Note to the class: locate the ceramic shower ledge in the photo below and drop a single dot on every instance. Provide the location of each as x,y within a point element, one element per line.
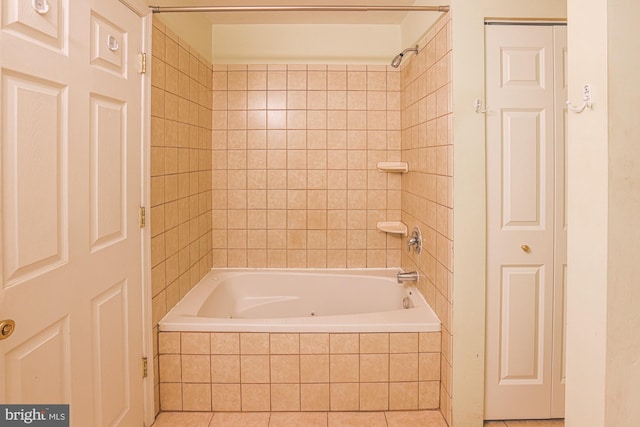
<point>396,167</point>
<point>393,227</point>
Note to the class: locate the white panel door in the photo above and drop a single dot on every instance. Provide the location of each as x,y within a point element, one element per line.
<point>521,191</point>
<point>70,264</point>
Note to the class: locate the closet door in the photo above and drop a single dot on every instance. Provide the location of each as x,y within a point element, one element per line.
<point>521,172</point>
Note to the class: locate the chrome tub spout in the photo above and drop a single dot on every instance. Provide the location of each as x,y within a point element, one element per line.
<point>410,276</point>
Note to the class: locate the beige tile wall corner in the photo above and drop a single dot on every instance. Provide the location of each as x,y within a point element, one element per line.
<point>180,212</point>
<point>295,149</point>
<point>427,193</point>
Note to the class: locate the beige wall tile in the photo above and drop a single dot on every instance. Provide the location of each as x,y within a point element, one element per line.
<point>403,342</point>
<point>344,396</point>
<point>374,396</point>
<point>429,366</point>
<point>285,368</point>
<point>374,367</point>
<point>171,396</point>
<point>314,343</point>
<point>256,397</point>
<point>254,343</point>
<point>225,368</point>
<point>429,395</point>
<point>195,343</point>
<point>196,368</point>
<point>170,368</point>
<point>196,397</point>
<point>314,397</point>
<point>225,343</point>
<point>403,396</point>
<point>403,367</point>
<point>344,368</point>
<point>225,397</point>
<point>314,368</point>
<point>169,342</point>
<point>254,369</point>
<point>285,397</point>
<point>344,343</point>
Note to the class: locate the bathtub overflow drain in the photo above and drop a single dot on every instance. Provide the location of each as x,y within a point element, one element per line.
<point>313,313</point>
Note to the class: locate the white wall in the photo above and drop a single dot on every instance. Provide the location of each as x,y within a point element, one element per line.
<point>603,347</point>
<point>469,222</point>
<point>305,43</point>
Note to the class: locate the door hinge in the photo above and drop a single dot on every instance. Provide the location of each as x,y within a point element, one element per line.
<point>142,63</point>
<point>143,217</point>
<point>145,367</point>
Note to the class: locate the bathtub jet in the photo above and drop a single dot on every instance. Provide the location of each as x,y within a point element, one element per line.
<point>398,59</point>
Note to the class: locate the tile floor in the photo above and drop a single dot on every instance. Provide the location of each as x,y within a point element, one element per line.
<point>301,419</point>
<point>525,423</point>
<point>324,419</point>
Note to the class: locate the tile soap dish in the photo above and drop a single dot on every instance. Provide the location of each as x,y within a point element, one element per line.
<point>393,227</point>
<point>397,167</point>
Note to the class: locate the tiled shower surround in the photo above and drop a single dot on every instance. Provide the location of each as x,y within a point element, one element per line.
<point>180,213</point>
<point>275,166</point>
<point>299,372</point>
<point>427,190</point>
<point>295,149</point>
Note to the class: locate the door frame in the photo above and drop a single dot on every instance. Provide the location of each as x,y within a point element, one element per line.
<point>140,8</point>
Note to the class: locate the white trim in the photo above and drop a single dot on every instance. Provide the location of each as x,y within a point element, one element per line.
<point>138,6</point>
<point>147,331</point>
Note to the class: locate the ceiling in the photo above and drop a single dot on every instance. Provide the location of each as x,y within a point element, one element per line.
<point>378,18</point>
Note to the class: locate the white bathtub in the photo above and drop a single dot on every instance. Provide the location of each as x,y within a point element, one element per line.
<point>246,300</point>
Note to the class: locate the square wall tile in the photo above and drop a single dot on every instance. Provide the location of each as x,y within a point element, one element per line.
<point>374,396</point>
<point>285,397</point>
<point>256,397</point>
<point>345,396</point>
<point>314,397</point>
<point>196,397</point>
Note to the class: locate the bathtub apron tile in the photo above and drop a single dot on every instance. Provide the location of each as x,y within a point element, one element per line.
<point>171,396</point>
<point>254,343</point>
<point>196,397</point>
<point>284,343</point>
<point>314,397</point>
<point>314,368</point>
<point>374,396</point>
<point>344,343</point>
<point>285,369</point>
<point>345,396</point>
<point>225,369</point>
<point>401,342</point>
<point>196,368</point>
<point>403,367</point>
<point>225,343</point>
<point>254,369</point>
<point>225,397</point>
<point>374,343</point>
<point>285,397</point>
<point>429,395</point>
<point>170,368</point>
<point>344,368</point>
<point>314,343</point>
<point>169,343</point>
<point>403,396</point>
<point>256,397</point>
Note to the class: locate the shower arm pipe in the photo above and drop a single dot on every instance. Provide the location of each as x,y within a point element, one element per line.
<point>174,9</point>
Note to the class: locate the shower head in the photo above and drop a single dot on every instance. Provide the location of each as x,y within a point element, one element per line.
<point>398,59</point>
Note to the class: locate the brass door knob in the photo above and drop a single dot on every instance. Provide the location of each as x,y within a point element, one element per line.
<point>7,327</point>
<point>525,248</point>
